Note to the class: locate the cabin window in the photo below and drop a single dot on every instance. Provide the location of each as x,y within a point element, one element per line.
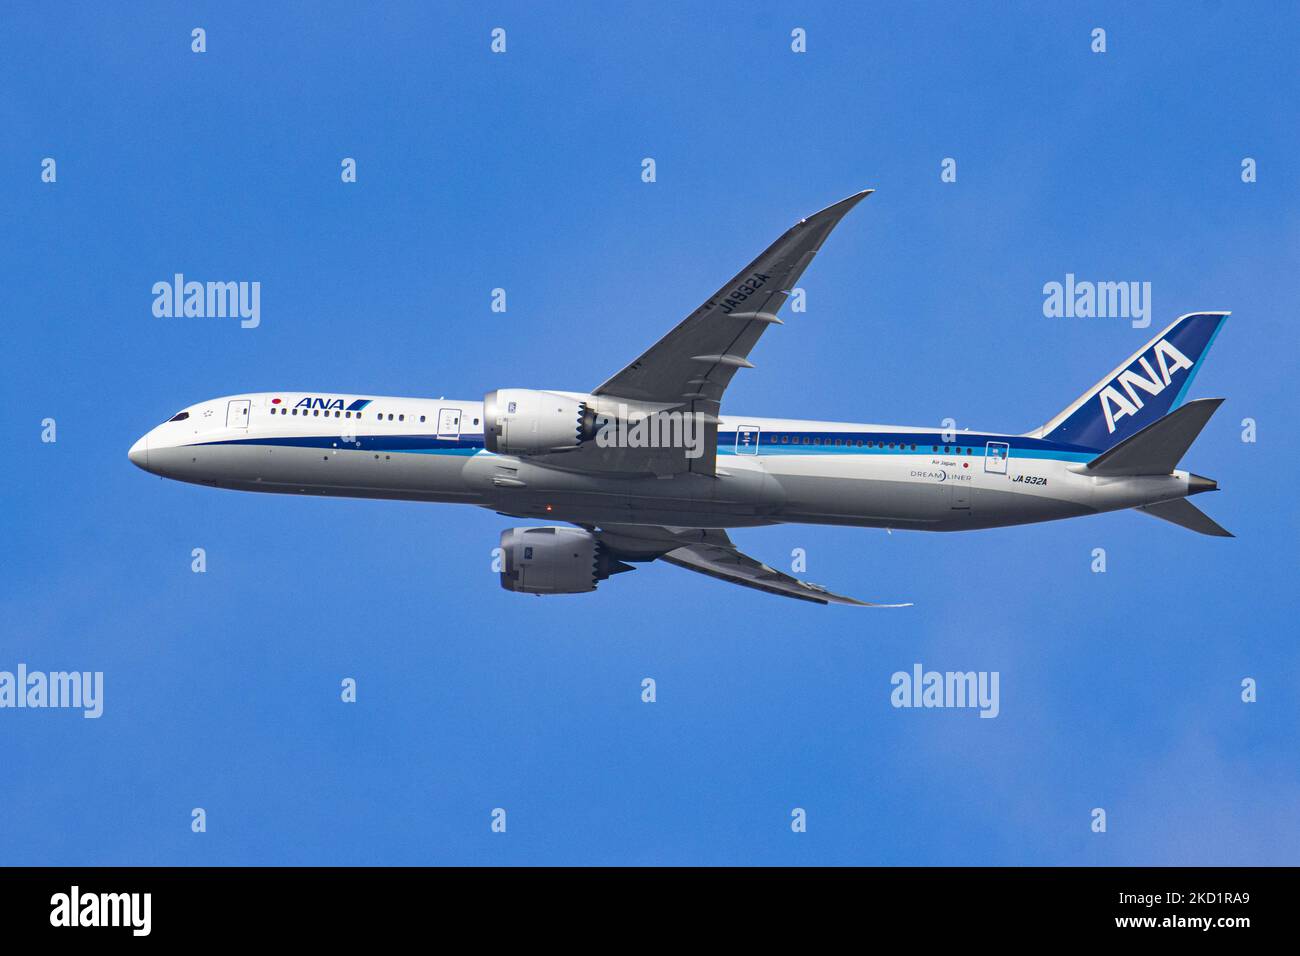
<point>421,418</point>
<point>401,418</point>
<point>390,416</point>
<point>315,412</point>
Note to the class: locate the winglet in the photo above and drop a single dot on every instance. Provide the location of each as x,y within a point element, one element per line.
<point>827,219</point>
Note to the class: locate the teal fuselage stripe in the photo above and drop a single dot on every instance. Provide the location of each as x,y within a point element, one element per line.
<point>976,452</point>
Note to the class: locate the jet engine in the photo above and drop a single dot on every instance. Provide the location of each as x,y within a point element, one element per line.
<point>554,561</point>
<point>524,421</point>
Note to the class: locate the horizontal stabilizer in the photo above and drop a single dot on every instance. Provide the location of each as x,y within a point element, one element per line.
<point>1180,511</point>
<point>1157,449</point>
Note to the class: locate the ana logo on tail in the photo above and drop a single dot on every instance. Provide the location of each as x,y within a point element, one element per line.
<point>1115,405</point>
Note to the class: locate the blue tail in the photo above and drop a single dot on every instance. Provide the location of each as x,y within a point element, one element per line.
<point>1147,386</point>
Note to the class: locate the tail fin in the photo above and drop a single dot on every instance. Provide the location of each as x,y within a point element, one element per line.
<point>1147,385</point>
<point>1157,449</point>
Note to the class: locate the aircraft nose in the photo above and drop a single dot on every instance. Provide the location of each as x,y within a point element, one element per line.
<point>139,453</point>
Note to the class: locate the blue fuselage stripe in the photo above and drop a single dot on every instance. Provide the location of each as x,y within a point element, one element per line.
<point>786,443</point>
<point>465,444</point>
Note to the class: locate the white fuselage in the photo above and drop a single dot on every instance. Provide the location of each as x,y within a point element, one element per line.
<point>769,471</point>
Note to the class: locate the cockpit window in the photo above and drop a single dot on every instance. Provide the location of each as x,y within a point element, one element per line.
<point>179,417</point>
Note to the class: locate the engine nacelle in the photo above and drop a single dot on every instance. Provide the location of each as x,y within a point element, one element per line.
<point>554,561</point>
<point>524,421</point>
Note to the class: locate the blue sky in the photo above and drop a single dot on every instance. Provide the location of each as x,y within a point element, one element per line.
<point>1118,690</point>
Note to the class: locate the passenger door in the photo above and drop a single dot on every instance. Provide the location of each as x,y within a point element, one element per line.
<point>996,454</point>
<point>237,413</point>
<point>449,423</point>
<point>747,439</point>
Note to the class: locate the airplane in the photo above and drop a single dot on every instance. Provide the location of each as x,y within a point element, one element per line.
<point>644,466</point>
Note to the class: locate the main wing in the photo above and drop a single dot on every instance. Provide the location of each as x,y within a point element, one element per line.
<point>710,551</point>
<point>696,360</point>
<point>691,366</point>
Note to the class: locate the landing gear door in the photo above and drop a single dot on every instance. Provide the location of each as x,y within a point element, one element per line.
<point>237,413</point>
<point>996,454</point>
<point>747,439</point>
<point>449,423</point>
